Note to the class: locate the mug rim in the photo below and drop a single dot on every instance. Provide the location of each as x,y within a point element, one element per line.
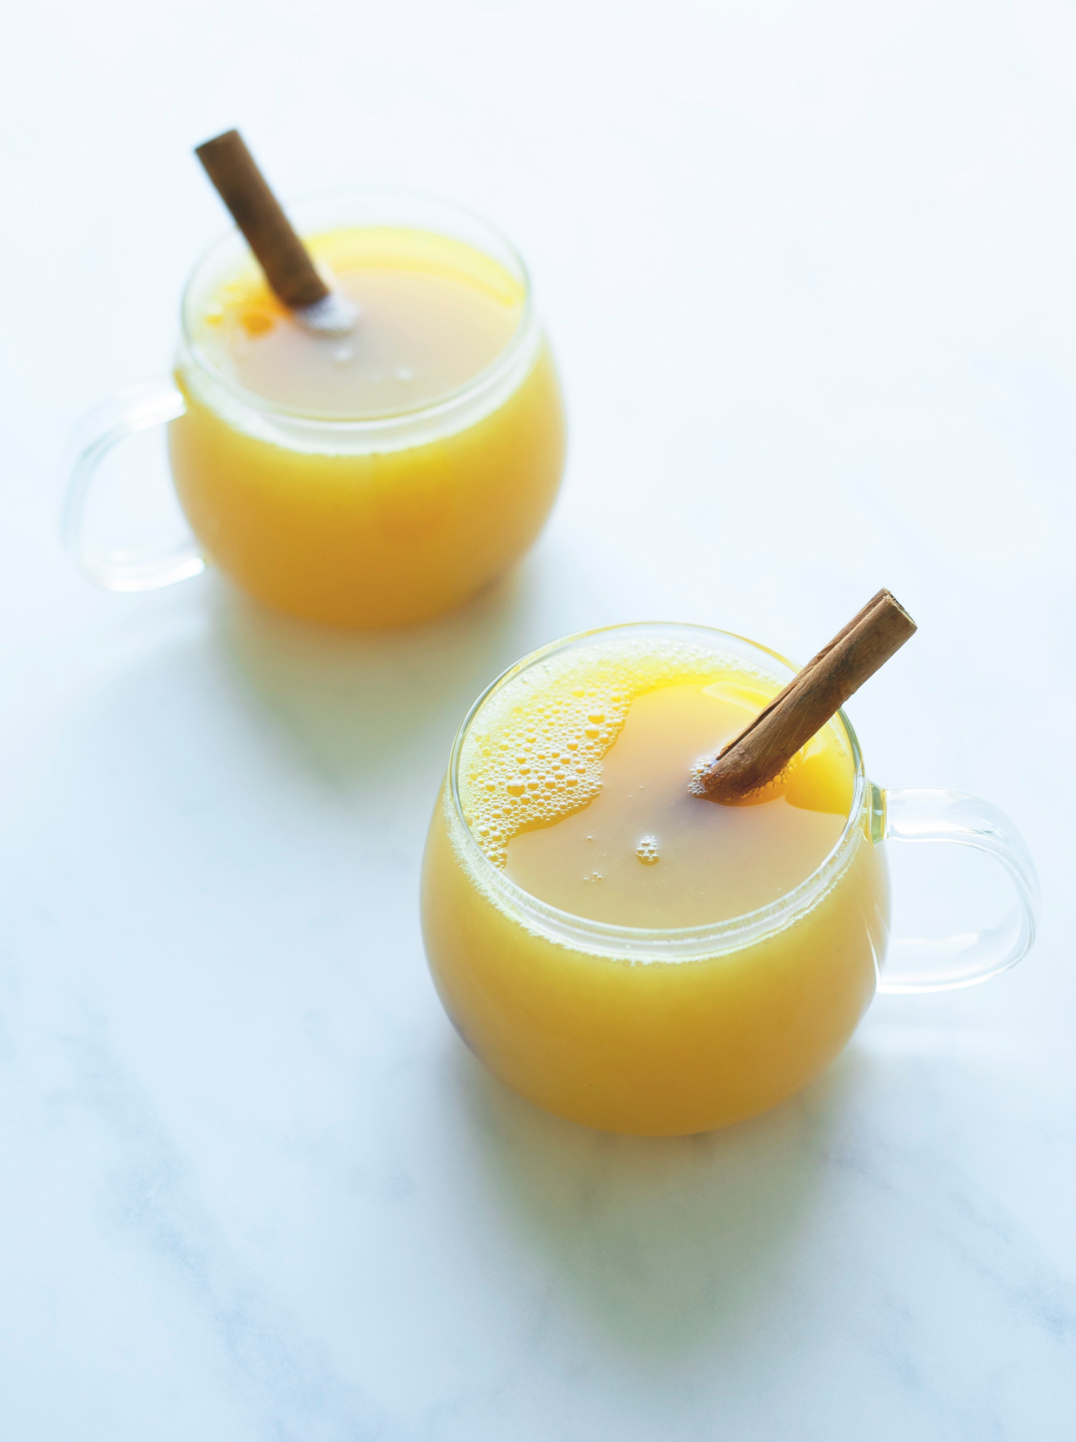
<point>654,943</point>
<point>464,395</point>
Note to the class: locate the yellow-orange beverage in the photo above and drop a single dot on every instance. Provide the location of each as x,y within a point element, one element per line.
<point>625,953</point>
<point>382,477</point>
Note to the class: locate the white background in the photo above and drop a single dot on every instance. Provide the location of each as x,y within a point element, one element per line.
<point>809,274</point>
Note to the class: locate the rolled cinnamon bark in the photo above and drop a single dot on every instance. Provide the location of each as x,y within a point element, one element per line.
<point>765,747</point>
<point>258,214</point>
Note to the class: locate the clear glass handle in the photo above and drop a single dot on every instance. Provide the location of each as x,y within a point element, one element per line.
<point>929,964</point>
<point>134,410</point>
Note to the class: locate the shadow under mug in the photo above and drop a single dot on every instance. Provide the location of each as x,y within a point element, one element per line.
<point>666,1032</point>
<point>380,521</point>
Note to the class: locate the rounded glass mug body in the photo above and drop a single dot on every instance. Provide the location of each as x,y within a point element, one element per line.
<point>667,1032</point>
<point>372,522</point>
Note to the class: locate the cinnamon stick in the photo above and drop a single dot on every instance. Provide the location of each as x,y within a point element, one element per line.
<point>764,748</point>
<point>257,212</point>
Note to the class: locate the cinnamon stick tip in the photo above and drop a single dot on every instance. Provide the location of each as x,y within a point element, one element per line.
<point>226,137</point>
<point>892,600</point>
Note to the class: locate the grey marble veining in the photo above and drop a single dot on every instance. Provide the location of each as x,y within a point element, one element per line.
<point>253,1187</point>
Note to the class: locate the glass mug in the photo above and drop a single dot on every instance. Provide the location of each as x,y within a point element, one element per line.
<point>668,1032</point>
<point>371,522</point>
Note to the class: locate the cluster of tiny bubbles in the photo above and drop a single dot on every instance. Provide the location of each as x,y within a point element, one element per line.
<point>534,752</point>
<point>647,851</point>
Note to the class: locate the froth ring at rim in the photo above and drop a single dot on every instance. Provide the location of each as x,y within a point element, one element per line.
<point>648,944</point>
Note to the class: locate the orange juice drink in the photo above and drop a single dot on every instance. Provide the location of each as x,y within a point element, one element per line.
<point>618,950</point>
<point>381,477</point>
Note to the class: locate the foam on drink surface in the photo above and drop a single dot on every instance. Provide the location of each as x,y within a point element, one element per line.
<point>534,755</point>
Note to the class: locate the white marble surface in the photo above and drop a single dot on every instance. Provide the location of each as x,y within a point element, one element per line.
<point>809,273</point>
